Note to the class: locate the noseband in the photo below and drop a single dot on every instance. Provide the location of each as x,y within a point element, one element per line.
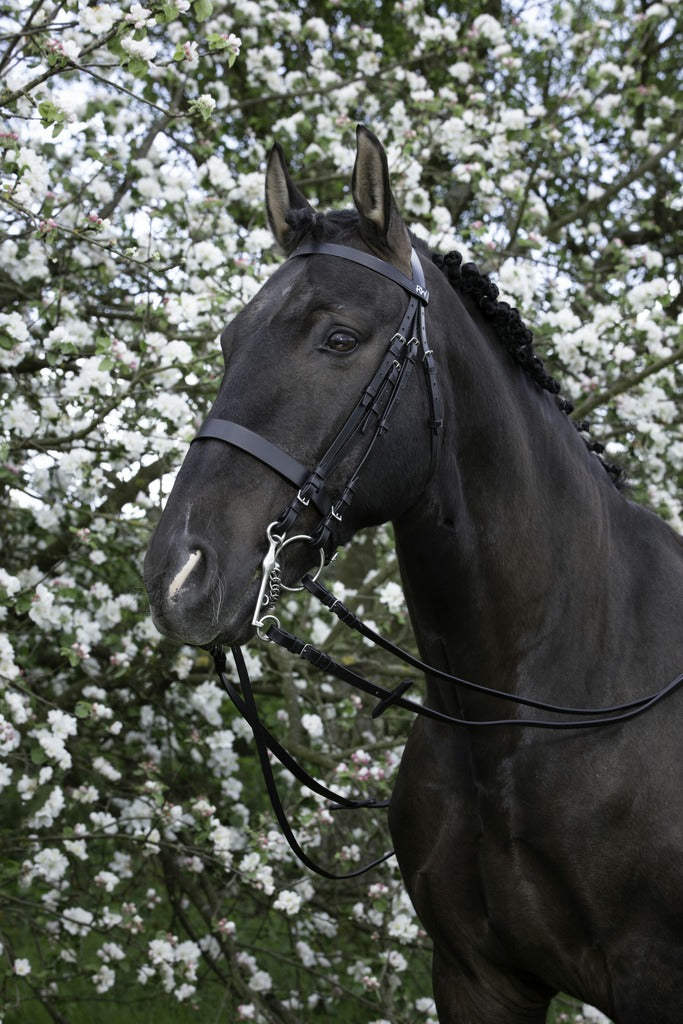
<point>370,416</point>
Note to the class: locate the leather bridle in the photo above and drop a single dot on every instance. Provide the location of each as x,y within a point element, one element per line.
<point>369,417</point>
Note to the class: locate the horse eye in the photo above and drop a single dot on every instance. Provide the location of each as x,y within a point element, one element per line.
<point>341,341</point>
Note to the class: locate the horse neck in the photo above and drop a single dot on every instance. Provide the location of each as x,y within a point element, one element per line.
<point>517,511</point>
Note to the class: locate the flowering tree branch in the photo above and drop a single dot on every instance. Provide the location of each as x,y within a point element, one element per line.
<point>145,863</point>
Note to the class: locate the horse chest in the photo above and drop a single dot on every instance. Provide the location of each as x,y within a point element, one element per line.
<point>506,845</point>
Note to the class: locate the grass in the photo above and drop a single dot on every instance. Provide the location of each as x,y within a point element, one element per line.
<point>96,1011</point>
<point>159,1011</point>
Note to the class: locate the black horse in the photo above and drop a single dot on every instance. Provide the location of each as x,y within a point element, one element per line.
<point>537,860</point>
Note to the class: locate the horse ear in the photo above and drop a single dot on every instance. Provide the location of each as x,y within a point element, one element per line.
<point>282,197</point>
<point>381,225</point>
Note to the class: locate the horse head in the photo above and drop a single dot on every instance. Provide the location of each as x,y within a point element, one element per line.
<point>297,360</point>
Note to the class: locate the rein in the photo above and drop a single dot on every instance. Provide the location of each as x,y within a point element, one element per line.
<point>596,716</point>
<point>378,401</point>
<point>266,744</point>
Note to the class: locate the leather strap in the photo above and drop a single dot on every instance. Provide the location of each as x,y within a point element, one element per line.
<point>365,259</point>
<point>247,711</point>
<point>624,712</point>
<point>265,451</point>
<point>619,712</point>
<point>264,742</point>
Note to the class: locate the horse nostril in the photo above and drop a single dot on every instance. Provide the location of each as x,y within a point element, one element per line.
<point>180,578</point>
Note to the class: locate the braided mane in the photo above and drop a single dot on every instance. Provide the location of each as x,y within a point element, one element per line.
<point>517,338</point>
<point>467,279</point>
<point>508,324</point>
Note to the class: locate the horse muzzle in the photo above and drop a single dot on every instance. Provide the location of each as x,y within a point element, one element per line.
<point>194,598</point>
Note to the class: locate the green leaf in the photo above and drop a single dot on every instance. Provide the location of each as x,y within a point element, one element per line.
<point>203,9</point>
<point>166,13</point>
<point>138,67</point>
<point>51,115</point>
<point>114,46</point>
<point>216,41</point>
<point>82,709</point>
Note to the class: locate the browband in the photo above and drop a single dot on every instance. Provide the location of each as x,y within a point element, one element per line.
<point>365,259</point>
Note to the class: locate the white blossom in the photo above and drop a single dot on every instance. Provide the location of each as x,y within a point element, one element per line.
<point>143,48</point>
<point>98,19</point>
<point>219,174</point>
<point>77,920</point>
<point>8,667</point>
<point>313,725</point>
<point>62,724</point>
<point>403,928</point>
<point>51,863</point>
<point>184,991</point>
<point>487,27</point>
<point>288,901</point>
<point>104,767</point>
<point>260,981</point>
<point>104,979</point>
<point>391,595</point>
<point>513,119</point>
<point>160,951</point>
<point>107,880</point>
<point>70,49</point>
<point>20,418</point>
<point>461,71</point>
<point>46,816</point>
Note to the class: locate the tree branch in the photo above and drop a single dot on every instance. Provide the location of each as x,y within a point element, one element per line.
<point>625,383</point>
<point>579,213</point>
<point>10,96</point>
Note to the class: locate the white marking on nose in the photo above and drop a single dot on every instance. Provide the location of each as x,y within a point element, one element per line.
<point>180,577</point>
